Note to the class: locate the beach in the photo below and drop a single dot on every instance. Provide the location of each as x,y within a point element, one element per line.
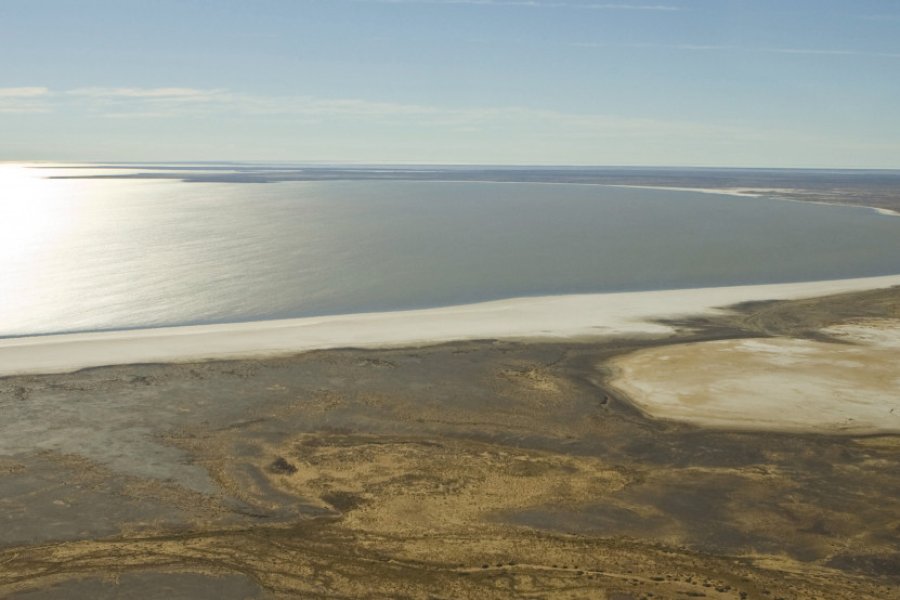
<point>563,317</point>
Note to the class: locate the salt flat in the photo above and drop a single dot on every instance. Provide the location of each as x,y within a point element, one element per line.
<point>779,384</point>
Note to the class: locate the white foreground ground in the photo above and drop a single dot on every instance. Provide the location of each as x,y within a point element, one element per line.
<point>774,384</point>
<point>594,315</point>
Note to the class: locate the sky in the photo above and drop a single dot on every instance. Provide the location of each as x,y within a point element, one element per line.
<point>745,83</point>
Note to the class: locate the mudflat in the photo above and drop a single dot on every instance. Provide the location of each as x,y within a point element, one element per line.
<point>477,469</point>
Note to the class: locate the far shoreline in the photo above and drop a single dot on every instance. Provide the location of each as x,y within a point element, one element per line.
<point>758,192</point>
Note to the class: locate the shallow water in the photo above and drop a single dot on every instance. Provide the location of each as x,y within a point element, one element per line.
<point>95,254</point>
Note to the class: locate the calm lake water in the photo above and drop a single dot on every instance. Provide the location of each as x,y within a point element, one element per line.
<point>96,254</point>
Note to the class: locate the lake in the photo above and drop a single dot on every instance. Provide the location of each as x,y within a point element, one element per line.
<point>102,254</point>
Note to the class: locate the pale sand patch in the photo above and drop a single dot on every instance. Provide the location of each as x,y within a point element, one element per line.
<point>724,191</point>
<point>559,317</point>
<point>875,332</point>
<point>774,384</point>
<point>887,212</point>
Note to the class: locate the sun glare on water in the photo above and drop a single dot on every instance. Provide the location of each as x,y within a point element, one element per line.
<point>32,211</point>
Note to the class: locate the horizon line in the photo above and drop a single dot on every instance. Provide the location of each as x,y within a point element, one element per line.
<point>366,164</point>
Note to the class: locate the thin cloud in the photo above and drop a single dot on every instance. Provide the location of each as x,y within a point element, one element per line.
<point>22,100</point>
<point>23,92</point>
<point>158,102</point>
<point>163,93</point>
<point>472,128</point>
<point>826,52</point>
<point>532,4</point>
<point>172,103</point>
<point>726,48</point>
<point>658,7</point>
<point>650,46</point>
<point>8,108</point>
<point>894,18</point>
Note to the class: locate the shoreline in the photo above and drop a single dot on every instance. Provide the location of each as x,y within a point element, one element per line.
<point>733,191</point>
<point>577,316</point>
<point>745,192</point>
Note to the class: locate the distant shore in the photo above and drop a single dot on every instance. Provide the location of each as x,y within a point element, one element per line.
<point>548,317</point>
<point>875,189</point>
<point>725,191</point>
<point>787,194</point>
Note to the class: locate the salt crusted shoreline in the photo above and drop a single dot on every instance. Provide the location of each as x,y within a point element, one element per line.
<point>547,317</point>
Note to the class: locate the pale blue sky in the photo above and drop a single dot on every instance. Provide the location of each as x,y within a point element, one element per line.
<point>790,83</point>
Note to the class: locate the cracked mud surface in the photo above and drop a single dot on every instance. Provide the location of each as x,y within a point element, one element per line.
<point>470,470</point>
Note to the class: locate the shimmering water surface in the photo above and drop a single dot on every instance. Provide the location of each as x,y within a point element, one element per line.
<point>97,254</point>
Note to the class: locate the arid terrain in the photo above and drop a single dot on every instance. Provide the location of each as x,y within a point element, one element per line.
<point>484,469</point>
